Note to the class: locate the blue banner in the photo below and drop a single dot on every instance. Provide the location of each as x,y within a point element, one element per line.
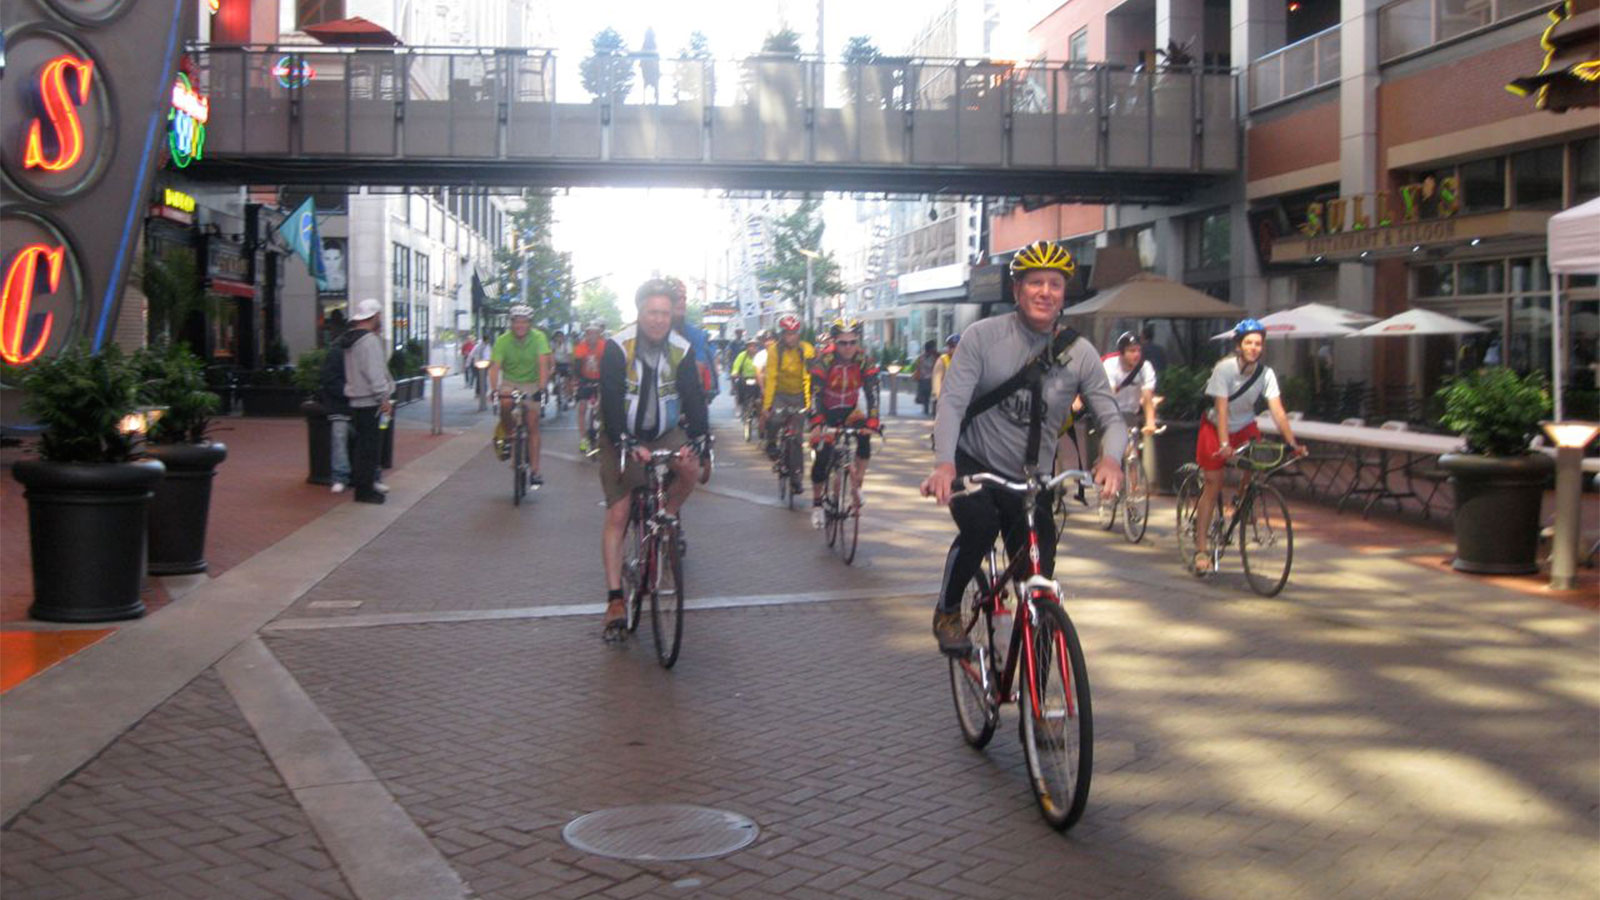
<point>299,231</point>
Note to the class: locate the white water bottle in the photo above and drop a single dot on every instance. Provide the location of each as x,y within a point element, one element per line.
<point>384,418</point>
<point>1002,620</point>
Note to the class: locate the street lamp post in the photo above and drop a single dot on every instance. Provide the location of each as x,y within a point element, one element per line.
<point>1570,438</point>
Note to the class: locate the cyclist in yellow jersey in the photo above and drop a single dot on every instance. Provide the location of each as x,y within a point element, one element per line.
<point>788,377</point>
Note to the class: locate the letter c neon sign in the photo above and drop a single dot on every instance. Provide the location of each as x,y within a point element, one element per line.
<point>16,300</point>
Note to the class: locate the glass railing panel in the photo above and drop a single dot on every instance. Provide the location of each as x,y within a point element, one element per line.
<point>1404,27</point>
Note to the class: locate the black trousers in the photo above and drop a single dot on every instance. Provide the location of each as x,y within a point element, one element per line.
<point>980,518</point>
<point>364,465</point>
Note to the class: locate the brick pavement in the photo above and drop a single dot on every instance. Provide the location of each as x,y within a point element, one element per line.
<point>1381,730</point>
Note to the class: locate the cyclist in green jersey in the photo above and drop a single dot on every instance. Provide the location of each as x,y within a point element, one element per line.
<point>520,361</point>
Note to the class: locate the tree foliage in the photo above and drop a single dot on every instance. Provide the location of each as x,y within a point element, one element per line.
<point>783,42</point>
<point>861,82</point>
<point>548,288</point>
<point>607,73</point>
<point>786,276</point>
<point>174,379</point>
<point>171,286</point>
<point>597,301</point>
<point>693,70</point>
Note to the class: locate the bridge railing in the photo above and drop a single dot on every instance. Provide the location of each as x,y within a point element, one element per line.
<point>526,104</point>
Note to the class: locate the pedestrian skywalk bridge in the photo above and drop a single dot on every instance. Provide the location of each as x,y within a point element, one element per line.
<point>493,116</point>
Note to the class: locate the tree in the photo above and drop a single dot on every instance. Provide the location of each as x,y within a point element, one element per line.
<point>532,255</point>
<point>607,73</point>
<point>597,301</point>
<point>171,286</point>
<point>786,277</point>
<point>783,42</point>
<point>860,81</point>
<point>692,75</point>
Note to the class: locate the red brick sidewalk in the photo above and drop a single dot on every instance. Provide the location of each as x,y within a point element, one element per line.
<point>260,496</point>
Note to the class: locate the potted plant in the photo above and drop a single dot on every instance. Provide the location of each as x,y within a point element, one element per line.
<point>173,380</point>
<point>319,430</point>
<point>1183,402</point>
<point>1499,481</point>
<point>87,495</point>
<point>270,391</point>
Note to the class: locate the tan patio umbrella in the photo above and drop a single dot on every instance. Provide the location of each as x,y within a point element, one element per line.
<point>1418,322</point>
<point>1147,296</point>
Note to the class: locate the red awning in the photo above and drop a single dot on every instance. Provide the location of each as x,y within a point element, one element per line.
<point>233,289</point>
<point>354,30</point>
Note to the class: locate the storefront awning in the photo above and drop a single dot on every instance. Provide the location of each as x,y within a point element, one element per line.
<point>892,312</point>
<point>1409,237</point>
<point>935,284</point>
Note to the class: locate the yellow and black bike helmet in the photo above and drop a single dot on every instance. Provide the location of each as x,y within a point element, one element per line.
<point>1042,255</point>
<point>843,325</point>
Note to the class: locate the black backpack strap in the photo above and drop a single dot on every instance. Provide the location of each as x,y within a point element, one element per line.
<point>1249,382</point>
<point>1035,419</point>
<point>1132,375</point>
<point>1056,351</point>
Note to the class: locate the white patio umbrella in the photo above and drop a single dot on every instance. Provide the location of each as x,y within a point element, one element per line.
<point>1313,320</point>
<point>1418,322</point>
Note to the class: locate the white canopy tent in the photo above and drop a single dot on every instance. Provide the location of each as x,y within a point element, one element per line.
<point>1311,320</point>
<point>1417,323</point>
<point>1574,238</point>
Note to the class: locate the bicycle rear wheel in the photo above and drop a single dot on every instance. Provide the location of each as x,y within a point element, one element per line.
<point>1266,541</point>
<point>1188,500</point>
<point>635,566</point>
<point>1057,722</point>
<point>974,680</point>
<point>666,596</point>
<point>832,504</point>
<point>1135,501</point>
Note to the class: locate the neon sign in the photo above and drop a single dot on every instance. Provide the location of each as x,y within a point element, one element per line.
<point>16,301</point>
<point>177,200</point>
<point>65,145</point>
<point>187,128</point>
<point>293,71</point>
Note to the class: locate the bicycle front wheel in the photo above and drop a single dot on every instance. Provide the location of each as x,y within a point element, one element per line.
<point>833,504</point>
<point>1188,503</point>
<point>1266,541</point>
<point>974,680</point>
<point>1057,723</point>
<point>1135,501</point>
<point>666,596</point>
<point>519,467</point>
<point>635,568</point>
<point>849,519</point>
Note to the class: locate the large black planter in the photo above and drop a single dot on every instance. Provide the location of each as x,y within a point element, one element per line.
<point>1497,510</point>
<point>1171,449</point>
<point>319,444</point>
<point>86,524</point>
<point>181,506</point>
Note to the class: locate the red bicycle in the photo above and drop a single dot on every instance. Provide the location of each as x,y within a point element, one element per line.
<point>1038,664</point>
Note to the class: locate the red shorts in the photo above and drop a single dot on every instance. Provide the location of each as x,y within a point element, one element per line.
<point>1207,449</point>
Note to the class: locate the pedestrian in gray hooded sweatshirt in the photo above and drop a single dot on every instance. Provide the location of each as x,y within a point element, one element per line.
<point>368,385</point>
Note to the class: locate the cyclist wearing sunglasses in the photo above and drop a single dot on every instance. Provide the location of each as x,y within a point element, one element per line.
<point>840,376</point>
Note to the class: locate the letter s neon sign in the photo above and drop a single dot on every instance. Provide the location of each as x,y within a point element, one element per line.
<point>57,105</point>
<point>16,301</point>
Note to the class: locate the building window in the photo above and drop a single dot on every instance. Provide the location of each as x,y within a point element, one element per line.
<point>1585,170</point>
<point>1209,241</point>
<point>1536,177</point>
<point>1078,46</point>
<point>1436,280</point>
<point>1483,185</point>
<point>1409,26</point>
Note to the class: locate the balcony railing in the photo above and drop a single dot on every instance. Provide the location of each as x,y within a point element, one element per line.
<point>1299,68</point>
<point>1410,26</point>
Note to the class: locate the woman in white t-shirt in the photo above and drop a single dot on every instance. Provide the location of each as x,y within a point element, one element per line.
<point>1237,383</point>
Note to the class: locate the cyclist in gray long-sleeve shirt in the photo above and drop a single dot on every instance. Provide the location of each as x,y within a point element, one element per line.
<point>991,352</point>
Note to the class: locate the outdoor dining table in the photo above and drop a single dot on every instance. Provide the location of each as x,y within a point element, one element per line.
<point>1398,452</point>
<point>1412,447</point>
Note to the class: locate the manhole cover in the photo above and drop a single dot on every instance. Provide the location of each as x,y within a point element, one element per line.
<point>662,832</point>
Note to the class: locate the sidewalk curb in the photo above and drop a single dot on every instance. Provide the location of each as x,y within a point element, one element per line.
<point>62,718</point>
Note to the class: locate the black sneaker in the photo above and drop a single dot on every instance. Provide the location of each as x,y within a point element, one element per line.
<point>502,449</point>
<point>373,497</point>
<point>953,640</point>
<point>535,481</point>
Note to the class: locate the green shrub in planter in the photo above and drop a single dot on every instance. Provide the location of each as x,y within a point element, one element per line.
<point>1495,410</point>
<point>174,379</point>
<point>1499,485</point>
<point>87,496</point>
<point>1184,390</point>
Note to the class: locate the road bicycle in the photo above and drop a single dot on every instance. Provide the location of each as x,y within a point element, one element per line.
<point>1037,663</point>
<point>841,505</point>
<point>790,463</point>
<point>521,461</point>
<point>1259,522</point>
<point>1132,498</point>
<point>749,397</point>
<point>561,390</point>
<point>652,555</point>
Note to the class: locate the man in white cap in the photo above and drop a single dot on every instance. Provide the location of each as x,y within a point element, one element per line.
<point>368,385</point>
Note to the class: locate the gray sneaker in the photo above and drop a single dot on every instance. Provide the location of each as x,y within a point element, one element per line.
<point>953,640</point>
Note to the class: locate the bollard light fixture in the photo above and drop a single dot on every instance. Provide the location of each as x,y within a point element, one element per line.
<point>1570,438</point>
<point>480,364</point>
<point>894,368</point>
<point>437,371</point>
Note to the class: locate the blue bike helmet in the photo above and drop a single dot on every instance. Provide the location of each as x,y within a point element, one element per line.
<point>1248,326</point>
<point>952,340</point>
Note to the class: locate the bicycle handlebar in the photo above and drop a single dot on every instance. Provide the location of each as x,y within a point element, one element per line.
<point>964,486</point>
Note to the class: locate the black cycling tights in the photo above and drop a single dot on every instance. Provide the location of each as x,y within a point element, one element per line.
<point>980,518</point>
